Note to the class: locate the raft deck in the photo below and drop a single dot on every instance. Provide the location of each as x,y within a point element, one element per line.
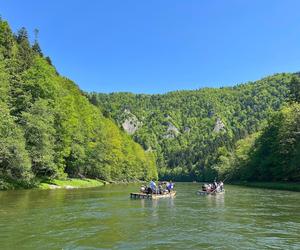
<point>151,196</point>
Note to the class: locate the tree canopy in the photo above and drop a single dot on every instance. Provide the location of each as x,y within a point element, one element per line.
<point>195,134</point>
<point>48,127</point>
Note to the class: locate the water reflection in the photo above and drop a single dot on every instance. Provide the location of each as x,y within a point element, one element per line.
<point>217,200</point>
<point>107,218</point>
<point>154,203</point>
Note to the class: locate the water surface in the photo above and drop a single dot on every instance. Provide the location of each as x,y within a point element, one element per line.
<point>106,218</point>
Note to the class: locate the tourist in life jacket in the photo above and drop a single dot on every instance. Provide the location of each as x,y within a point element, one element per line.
<point>160,188</point>
<point>143,189</point>
<point>153,186</point>
<point>215,185</point>
<point>221,185</point>
<point>170,186</point>
<point>167,186</point>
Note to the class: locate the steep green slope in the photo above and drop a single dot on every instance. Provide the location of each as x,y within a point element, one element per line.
<point>274,153</point>
<point>49,129</point>
<point>193,133</point>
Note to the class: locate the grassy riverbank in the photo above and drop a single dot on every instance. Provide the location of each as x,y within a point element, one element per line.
<point>70,183</point>
<point>291,186</point>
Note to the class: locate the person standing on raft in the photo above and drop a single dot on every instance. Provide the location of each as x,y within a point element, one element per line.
<point>170,186</point>
<point>153,186</point>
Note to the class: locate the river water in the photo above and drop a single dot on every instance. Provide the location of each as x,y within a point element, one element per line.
<point>106,218</point>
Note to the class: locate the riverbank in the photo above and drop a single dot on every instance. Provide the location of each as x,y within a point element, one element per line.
<point>70,183</point>
<point>290,186</point>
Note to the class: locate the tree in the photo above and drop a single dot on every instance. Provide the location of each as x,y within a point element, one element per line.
<point>194,152</point>
<point>39,134</point>
<point>6,40</point>
<point>50,129</point>
<point>36,47</point>
<point>294,89</point>
<point>274,154</point>
<point>25,53</point>
<point>14,159</point>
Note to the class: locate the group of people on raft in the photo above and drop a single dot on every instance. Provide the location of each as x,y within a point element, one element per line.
<point>161,188</point>
<point>213,187</point>
<point>168,187</point>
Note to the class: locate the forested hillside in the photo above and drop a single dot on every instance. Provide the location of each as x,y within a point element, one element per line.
<point>274,153</point>
<point>49,129</point>
<point>195,134</point>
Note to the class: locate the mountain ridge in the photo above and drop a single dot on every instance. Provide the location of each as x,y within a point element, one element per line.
<point>243,109</point>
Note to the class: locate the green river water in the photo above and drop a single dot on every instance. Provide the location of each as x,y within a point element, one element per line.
<point>106,218</point>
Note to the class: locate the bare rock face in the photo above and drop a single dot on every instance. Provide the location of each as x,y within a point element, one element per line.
<point>149,149</point>
<point>187,129</point>
<point>131,124</point>
<point>219,126</point>
<point>172,131</point>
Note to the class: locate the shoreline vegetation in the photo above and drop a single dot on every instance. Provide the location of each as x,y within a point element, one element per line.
<point>75,183</point>
<point>248,132</point>
<point>44,184</point>
<point>70,183</point>
<point>51,130</point>
<point>288,186</point>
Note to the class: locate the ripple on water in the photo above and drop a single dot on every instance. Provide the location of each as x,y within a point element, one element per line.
<point>105,218</point>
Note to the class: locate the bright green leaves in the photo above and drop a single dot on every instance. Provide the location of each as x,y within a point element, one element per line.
<point>14,159</point>
<point>194,152</point>
<point>4,83</point>
<point>294,88</point>
<point>25,54</point>
<point>6,40</point>
<point>38,124</point>
<point>49,129</point>
<point>273,155</point>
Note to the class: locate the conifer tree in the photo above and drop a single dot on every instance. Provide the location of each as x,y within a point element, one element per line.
<point>36,47</point>
<point>25,53</point>
<point>294,88</point>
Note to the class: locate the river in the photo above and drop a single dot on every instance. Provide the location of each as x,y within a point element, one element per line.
<point>106,218</point>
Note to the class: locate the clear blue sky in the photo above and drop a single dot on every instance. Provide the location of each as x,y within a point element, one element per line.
<point>155,46</point>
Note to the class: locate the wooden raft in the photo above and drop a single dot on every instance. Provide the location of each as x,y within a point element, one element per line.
<point>151,196</point>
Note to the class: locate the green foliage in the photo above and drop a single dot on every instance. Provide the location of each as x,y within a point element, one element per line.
<point>38,124</point>
<point>294,88</point>
<point>4,83</point>
<point>273,155</point>
<point>6,40</point>
<point>239,165</point>
<point>37,49</point>
<point>25,53</point>
<point>14,159</point>
<point>70,183</point>
<point>49,129</point>
<point>193,133</point>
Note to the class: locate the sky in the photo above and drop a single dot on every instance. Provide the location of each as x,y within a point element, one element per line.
<point>156,46</point>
